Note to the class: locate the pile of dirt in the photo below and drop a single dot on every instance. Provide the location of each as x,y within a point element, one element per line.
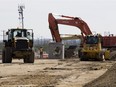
<point>106,80</point>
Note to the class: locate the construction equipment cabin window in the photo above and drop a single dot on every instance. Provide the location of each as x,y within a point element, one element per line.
<point>92,40</point>
<point>9,35</point>
<point>29,34</point>
<point>19,33</point>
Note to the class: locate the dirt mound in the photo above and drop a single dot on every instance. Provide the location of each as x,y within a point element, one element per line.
<point>106,80</point>
<point>113,55</point>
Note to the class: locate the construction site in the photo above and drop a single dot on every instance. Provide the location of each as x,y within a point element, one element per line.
<point>87,59</point>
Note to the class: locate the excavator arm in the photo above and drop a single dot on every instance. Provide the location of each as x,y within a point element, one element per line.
<point>71,21</point>
<point>53,25</point>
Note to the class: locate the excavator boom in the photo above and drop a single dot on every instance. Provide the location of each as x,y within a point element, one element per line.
<point>54,28</point>
<point>71,21</point>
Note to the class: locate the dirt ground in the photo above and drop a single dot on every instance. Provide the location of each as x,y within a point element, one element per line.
<point>52,73</point>
<point>106,80</point>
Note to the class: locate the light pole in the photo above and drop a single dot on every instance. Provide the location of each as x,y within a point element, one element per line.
<point>20,9</point>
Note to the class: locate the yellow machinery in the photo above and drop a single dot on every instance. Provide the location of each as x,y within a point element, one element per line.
<point>92,49</point>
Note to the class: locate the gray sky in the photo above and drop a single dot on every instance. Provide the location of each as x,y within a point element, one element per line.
<point>100,15</point>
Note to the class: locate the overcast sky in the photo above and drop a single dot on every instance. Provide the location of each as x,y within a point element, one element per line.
<point>100,15</point>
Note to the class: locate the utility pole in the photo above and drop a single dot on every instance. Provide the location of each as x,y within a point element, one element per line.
<point>20,9</point>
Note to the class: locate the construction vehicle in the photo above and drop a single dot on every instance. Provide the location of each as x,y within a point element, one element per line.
<point>93,46</point>
<point>18,43</point>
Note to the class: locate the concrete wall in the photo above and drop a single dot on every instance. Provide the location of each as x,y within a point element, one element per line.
<point>56,50</point>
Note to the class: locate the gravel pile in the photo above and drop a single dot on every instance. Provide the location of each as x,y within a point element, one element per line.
<point>106,80</point>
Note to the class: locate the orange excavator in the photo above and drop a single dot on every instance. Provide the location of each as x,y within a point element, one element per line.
<point>93,46</point>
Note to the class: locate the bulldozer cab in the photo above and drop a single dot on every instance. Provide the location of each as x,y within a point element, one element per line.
<point>92,42</point>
